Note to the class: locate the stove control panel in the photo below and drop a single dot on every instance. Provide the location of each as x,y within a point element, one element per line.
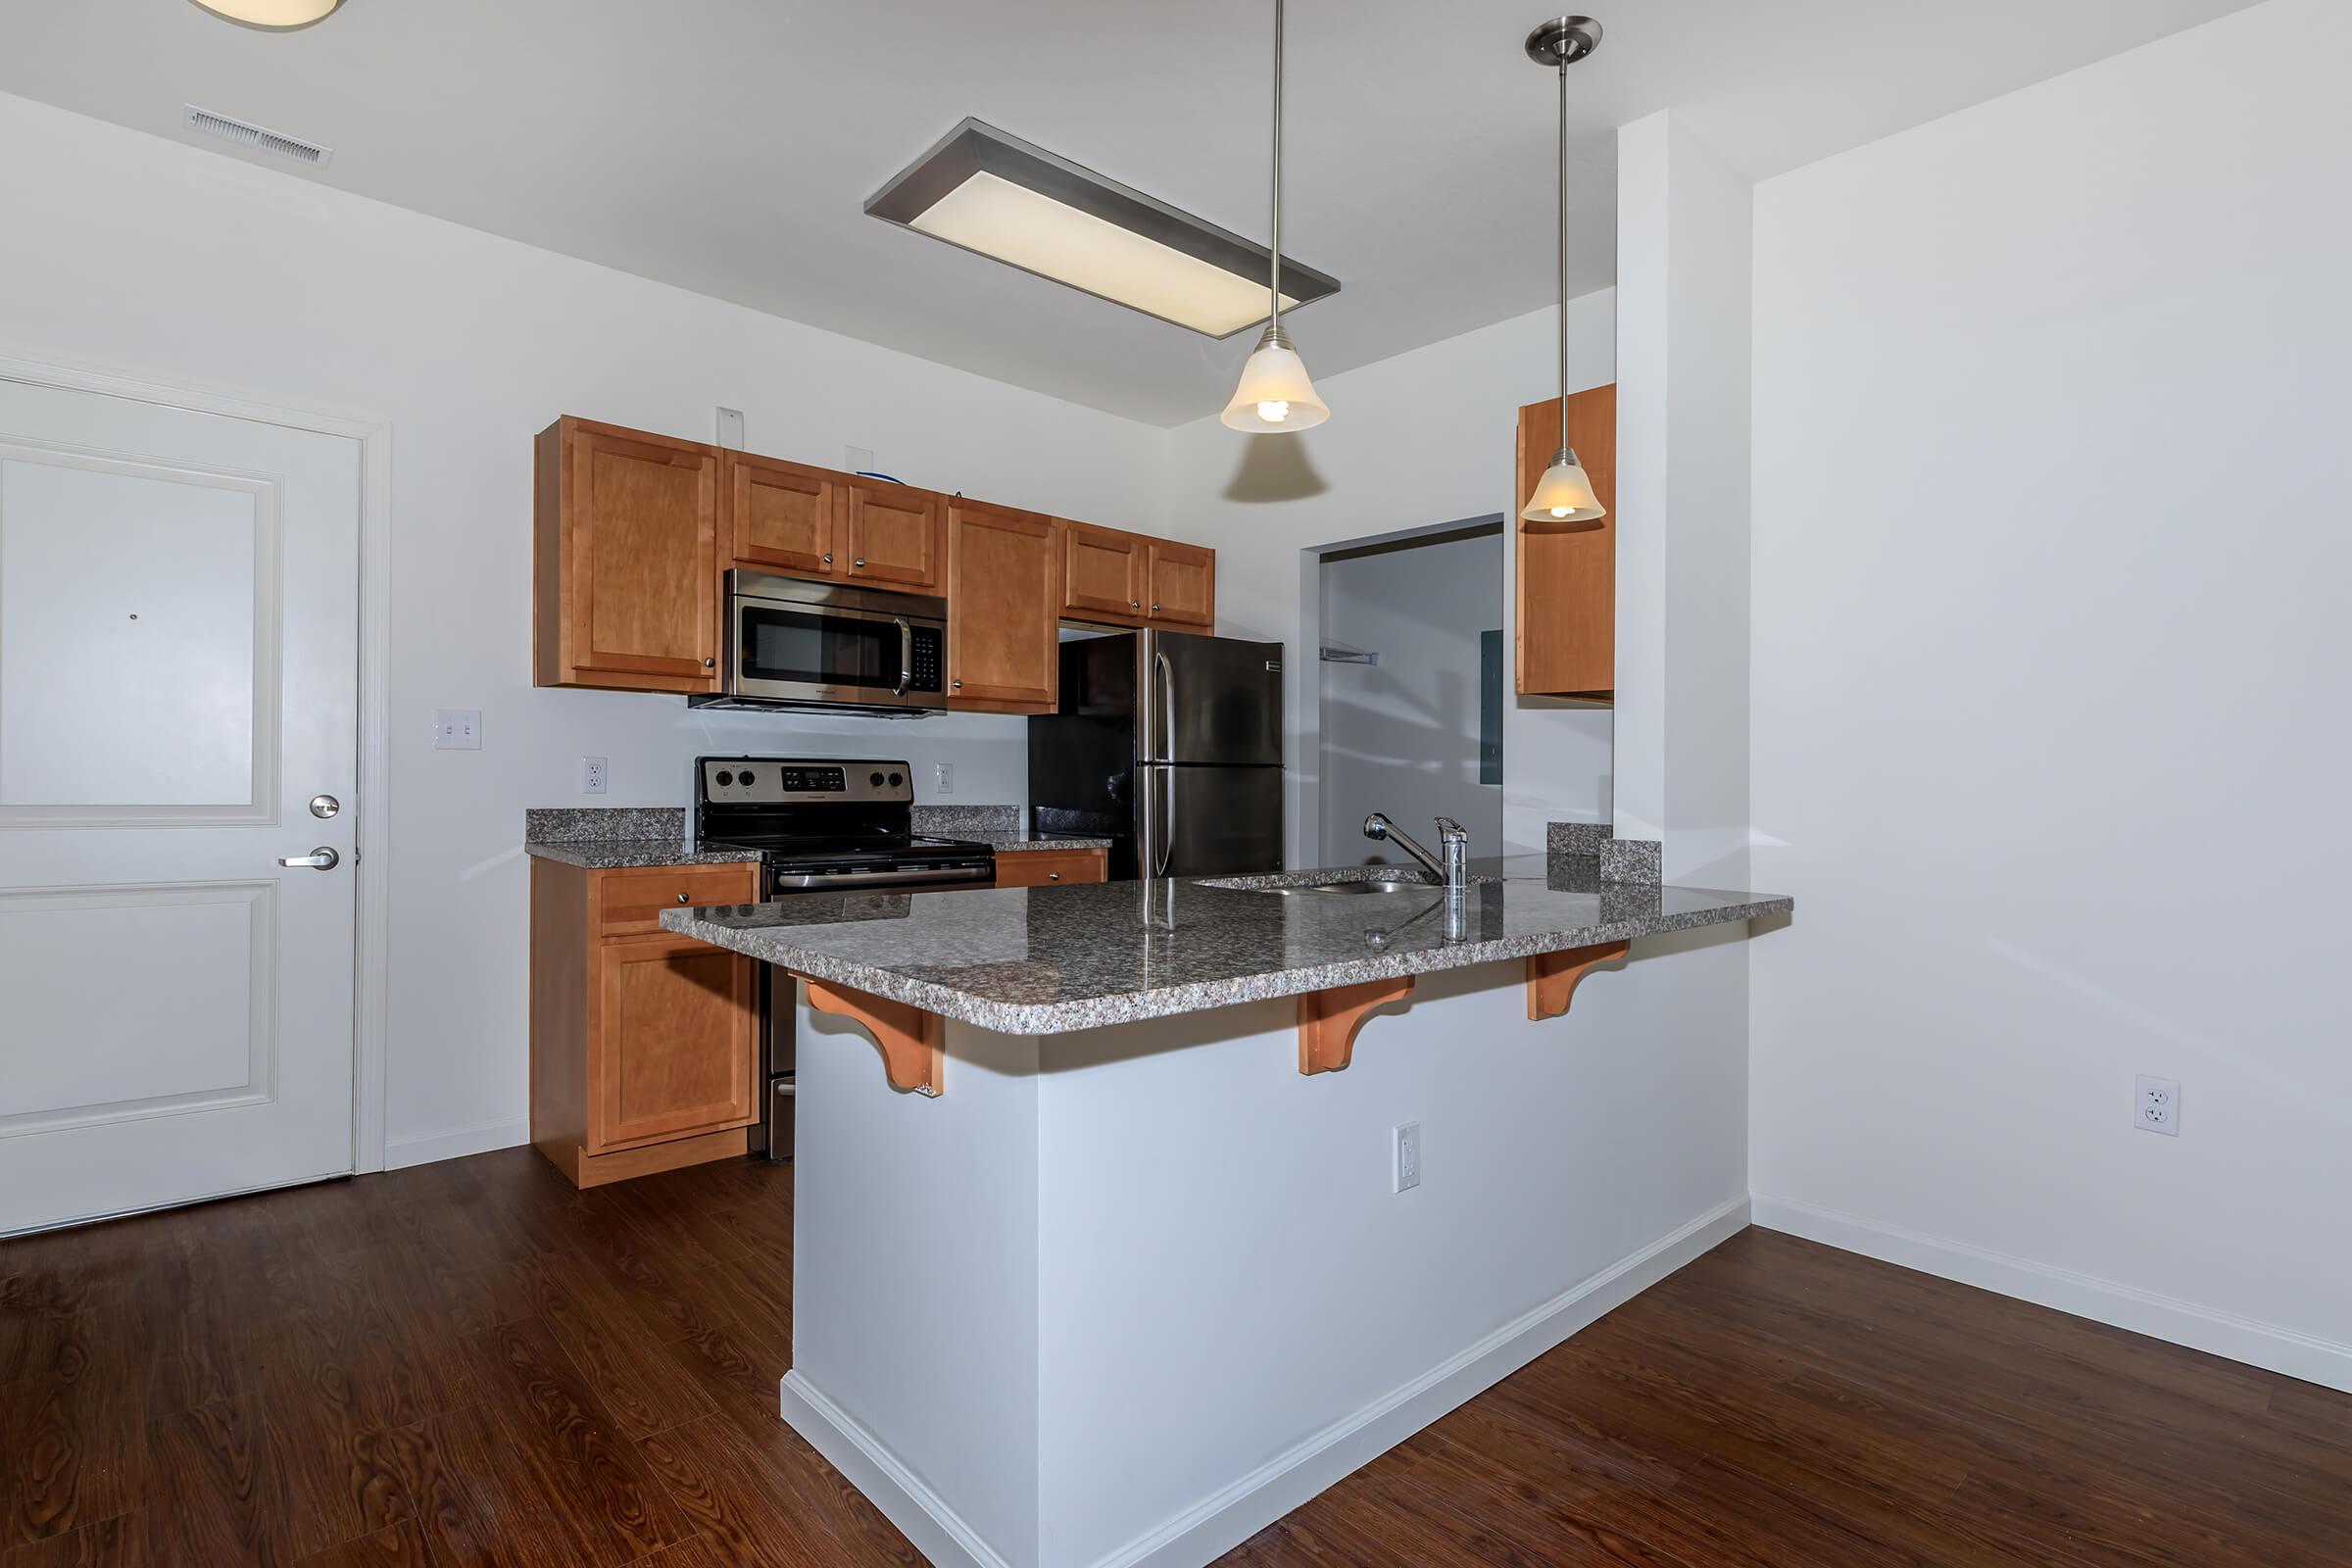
<point>789,780</point>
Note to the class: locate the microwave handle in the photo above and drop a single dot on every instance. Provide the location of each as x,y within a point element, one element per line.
<point>906,655</point>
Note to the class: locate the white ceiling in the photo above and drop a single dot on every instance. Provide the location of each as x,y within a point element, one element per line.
<point>728,146</point>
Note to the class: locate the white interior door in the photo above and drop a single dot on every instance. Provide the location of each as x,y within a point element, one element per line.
<point>178,679</point>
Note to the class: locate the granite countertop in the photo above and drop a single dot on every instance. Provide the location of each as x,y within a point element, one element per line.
<point>608,854</point>
<point>1050,960</point>
<point>605,838</point>
<point>1004,843</point>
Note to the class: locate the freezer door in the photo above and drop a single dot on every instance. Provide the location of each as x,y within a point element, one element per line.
<point>1210,821</point>
<point>1209,698</point>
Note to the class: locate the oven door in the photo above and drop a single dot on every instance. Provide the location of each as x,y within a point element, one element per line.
<point>790,651</point>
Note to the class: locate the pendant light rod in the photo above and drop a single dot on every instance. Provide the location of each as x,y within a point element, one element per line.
<point>1274,276</point>
<point>1563,496</point>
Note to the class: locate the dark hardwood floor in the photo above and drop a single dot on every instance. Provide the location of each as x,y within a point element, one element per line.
<point>471,1363</point>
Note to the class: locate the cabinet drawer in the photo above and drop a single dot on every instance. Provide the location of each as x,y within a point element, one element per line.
<point>630,903</point>
<point>1037,868</point>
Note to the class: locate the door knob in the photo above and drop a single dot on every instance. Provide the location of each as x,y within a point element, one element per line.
<point>322,859</point>
<point>324,806</point>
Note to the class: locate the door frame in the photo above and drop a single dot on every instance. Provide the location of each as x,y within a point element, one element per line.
<point>370,903</point>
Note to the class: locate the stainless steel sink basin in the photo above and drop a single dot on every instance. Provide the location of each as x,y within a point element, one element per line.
<point>1383,886</point>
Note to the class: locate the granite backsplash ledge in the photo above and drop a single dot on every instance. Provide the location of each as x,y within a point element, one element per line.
<point>1618,859</point>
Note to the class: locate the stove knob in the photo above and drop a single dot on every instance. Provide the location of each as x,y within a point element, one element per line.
<point>726,778</point>
<point>875,779</point>
<point>744,777</point>
<point>897,779</point>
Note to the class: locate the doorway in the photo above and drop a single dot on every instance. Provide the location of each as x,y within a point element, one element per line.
<point>179,794</point>
<point>1410,688</point>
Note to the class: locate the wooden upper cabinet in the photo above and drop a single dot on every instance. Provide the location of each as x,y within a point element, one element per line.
<point>1103,573</point>
<point>892,533</point>
<point>626,576</point>
<point>1003,600</point>
<point>1567,609</point>
<point>783,517</point>
<point>1180,587</point>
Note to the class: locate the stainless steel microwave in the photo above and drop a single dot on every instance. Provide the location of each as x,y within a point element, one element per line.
<point>793,644</point>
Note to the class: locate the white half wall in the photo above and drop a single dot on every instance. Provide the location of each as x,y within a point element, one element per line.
<point>2050,640</point>
<point>1415,441</point>
<point>135,254</point>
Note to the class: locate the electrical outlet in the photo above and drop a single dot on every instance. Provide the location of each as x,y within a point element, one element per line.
<point>2156,1105</point>
<point>730,428</point>
<point>1406,1142</point>
<point>458,729</point>
<point>592,775</point>
<point>943,778</point>
<point>857,459</point>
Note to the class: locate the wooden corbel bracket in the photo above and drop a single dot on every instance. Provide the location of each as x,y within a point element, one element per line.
<point>1328,1019</point>
<point>913,1042</point>
<point>1553,977</point>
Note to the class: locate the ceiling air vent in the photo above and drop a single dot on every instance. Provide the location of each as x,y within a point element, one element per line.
<point>205,122</point>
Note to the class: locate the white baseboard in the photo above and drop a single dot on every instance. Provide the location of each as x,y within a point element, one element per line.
<point>1236,1512</point>
<point>2201,1328</point>
<point>922,1516</point>
<point>456,1144</point>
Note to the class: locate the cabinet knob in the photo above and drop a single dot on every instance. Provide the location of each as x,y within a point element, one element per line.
<point>829,561</point>
<point>1052,876</point>
<point>1135,604</point>
<point>1155,610</point>
<point>859,562</point>
<point>709,664</point>
<point>681,898</point>
<point>955,685</point>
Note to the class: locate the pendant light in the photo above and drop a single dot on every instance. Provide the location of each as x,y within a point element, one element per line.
<point>1564,496</point>
<point>1275,396</point>
<point>271,15</point>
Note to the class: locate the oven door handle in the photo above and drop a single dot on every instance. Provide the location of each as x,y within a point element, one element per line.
<point>819,882</point>
<point>906,655</point>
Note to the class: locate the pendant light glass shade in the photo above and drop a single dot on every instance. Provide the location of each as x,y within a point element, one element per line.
<point>272,16</point>
<point>1564,495</point>
<point>1275,396</point>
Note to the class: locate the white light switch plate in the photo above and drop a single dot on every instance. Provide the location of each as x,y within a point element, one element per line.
<point>458,729</point>
<point>943,778</point>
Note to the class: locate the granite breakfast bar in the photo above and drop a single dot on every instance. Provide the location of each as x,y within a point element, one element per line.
<point>1108,1260</point>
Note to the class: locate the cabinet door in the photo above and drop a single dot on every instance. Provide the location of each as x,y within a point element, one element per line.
<point>1182,584</point>
<point>671,1040</point>
<point>1004,608</point>
<point>1102,573</point>
<point>892,534</point>
<point>783,517</point>
<point>628,560</point>
<point>1567,581</point>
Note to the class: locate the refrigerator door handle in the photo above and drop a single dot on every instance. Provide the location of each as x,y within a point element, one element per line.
<point>1167,825</point>
<point>1167,710</point>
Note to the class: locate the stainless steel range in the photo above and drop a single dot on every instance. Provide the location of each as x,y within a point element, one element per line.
<point>822,825</point>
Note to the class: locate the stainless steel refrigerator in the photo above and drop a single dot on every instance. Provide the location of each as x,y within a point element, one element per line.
<point>1170,744</point>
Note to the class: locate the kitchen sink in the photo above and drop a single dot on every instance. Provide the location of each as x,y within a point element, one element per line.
<point>1383,886</point>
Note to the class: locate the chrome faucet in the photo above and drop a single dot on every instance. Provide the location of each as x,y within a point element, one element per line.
<point>1454,843</point>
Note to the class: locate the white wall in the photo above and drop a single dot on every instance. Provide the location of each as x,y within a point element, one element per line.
<point>132,253</point>
<point>2050,641</point>
<point>1414,441</point>
<point>1401,736</point>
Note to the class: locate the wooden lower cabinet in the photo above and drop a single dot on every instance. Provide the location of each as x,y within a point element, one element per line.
<point>1038,869</point>
<point>644,1045</point>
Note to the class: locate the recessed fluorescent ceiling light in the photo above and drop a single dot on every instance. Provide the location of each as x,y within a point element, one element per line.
<point>985,191</point>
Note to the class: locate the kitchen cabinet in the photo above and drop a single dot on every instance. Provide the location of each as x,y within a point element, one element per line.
<point>783,517</point>
<point>1180,585</point>
<point>644,1045</point>
<point>626,571</point>
<point>1038,869</point>
<point>1003,593</point>
<point>1567,579</point>
<point>1103,573</point>
<point>892,533</point>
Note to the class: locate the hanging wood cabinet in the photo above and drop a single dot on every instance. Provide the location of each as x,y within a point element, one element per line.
<point>1567,579</point>
<point>635,534</point>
